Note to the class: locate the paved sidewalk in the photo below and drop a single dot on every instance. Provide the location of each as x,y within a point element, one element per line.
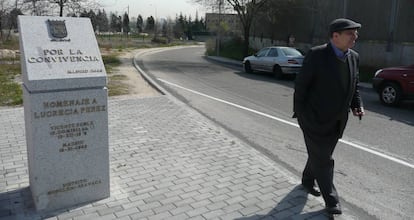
<point>167,161</point>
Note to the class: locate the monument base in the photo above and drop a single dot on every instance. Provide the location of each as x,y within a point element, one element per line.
<point>67,145</point>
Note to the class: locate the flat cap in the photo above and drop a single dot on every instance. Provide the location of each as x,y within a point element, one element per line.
<point>341,24</point>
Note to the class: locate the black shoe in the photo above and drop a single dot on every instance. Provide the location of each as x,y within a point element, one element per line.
<point>311,190</point>
<point>334,210</point>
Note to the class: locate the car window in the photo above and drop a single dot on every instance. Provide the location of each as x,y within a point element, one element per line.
<point>290,52</point>
<point>272,52</point>
<point>262,52</point>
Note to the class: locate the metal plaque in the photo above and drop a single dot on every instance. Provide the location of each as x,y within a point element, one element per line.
<point>57,28</point>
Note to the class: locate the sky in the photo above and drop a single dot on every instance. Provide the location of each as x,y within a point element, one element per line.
<point>155,8</point>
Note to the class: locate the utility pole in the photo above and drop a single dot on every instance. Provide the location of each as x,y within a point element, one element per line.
<point>345,8</point>
<point>220,2</point>
<point>393,21</point>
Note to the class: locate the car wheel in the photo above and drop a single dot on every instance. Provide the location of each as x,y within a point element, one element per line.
<point>247,67</point>
<point>390,94</point>
<point>277,72</point>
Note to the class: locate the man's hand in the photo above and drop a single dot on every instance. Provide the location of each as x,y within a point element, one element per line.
<point>358,112</point>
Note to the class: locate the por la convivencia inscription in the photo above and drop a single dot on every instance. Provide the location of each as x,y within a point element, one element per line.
<point>66,111</point>
<point>59,56</point>
<point>62,56</point>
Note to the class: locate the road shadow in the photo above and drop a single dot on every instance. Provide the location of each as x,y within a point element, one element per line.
<point>257,75</point>
<point>404,113</point>
<point>288,81</point>
<point>19,204</point>
<point>291,207</point>
<point>15,202</point>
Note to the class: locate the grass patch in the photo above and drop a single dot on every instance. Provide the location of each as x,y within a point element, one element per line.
<point>118,77</point>
<point>116,86</point>
<point>11,44</point>
<point>10,91</point>
<point>111,62</point>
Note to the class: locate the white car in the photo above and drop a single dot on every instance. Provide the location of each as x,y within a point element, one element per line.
<point>277,60</point>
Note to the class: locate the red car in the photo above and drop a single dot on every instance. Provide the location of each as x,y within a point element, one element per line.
<point>394,84</point>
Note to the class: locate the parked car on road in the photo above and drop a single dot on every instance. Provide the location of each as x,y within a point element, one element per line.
<point>277,60</point>
<point>394,84</point>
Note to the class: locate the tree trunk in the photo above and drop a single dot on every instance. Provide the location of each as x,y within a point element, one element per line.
<point>1,29</point>
<point>61,5</point>
<point>246,45</point>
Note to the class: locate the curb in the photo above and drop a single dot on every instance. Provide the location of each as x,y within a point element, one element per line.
<point>146,77</point>
<point>225,61</point>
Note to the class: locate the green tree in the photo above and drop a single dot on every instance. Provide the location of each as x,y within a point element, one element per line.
<point>125,24</point>
<point>115,23</point>
<point>198,24</point>
<point>93,17</point>
<point>180,26</point>
<point>150,26</point>
<point>102,22</point>
<point>140,24</point>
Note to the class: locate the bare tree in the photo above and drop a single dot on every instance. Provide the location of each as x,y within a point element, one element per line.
<point>73,6</point>
<point>38,7</point>
<point>5,8</point>
<point>245,9</point>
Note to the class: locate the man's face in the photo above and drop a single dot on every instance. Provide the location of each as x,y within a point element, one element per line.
<point>345,39</point>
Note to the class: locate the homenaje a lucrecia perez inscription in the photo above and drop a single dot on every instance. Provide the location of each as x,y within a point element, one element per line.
<point>66,111</point>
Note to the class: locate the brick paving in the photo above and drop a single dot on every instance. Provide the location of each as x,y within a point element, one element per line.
<point>167,161</point>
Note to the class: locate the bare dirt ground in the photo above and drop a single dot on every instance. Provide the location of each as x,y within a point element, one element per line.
<point>137,86</point>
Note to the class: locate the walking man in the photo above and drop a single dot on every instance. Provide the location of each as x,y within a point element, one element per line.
<point>326,90</point>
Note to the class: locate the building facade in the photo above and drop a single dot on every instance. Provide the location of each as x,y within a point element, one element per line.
<point>228,24</point>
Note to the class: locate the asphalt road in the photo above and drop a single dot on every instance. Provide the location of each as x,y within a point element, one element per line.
<point>374,163</point>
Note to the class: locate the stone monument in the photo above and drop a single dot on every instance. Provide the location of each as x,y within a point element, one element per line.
<point>66,111</point>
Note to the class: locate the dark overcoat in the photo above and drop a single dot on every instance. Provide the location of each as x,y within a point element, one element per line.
<point>322,100</point>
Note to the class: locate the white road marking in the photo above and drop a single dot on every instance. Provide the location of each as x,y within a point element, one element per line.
<point>399,161</point>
